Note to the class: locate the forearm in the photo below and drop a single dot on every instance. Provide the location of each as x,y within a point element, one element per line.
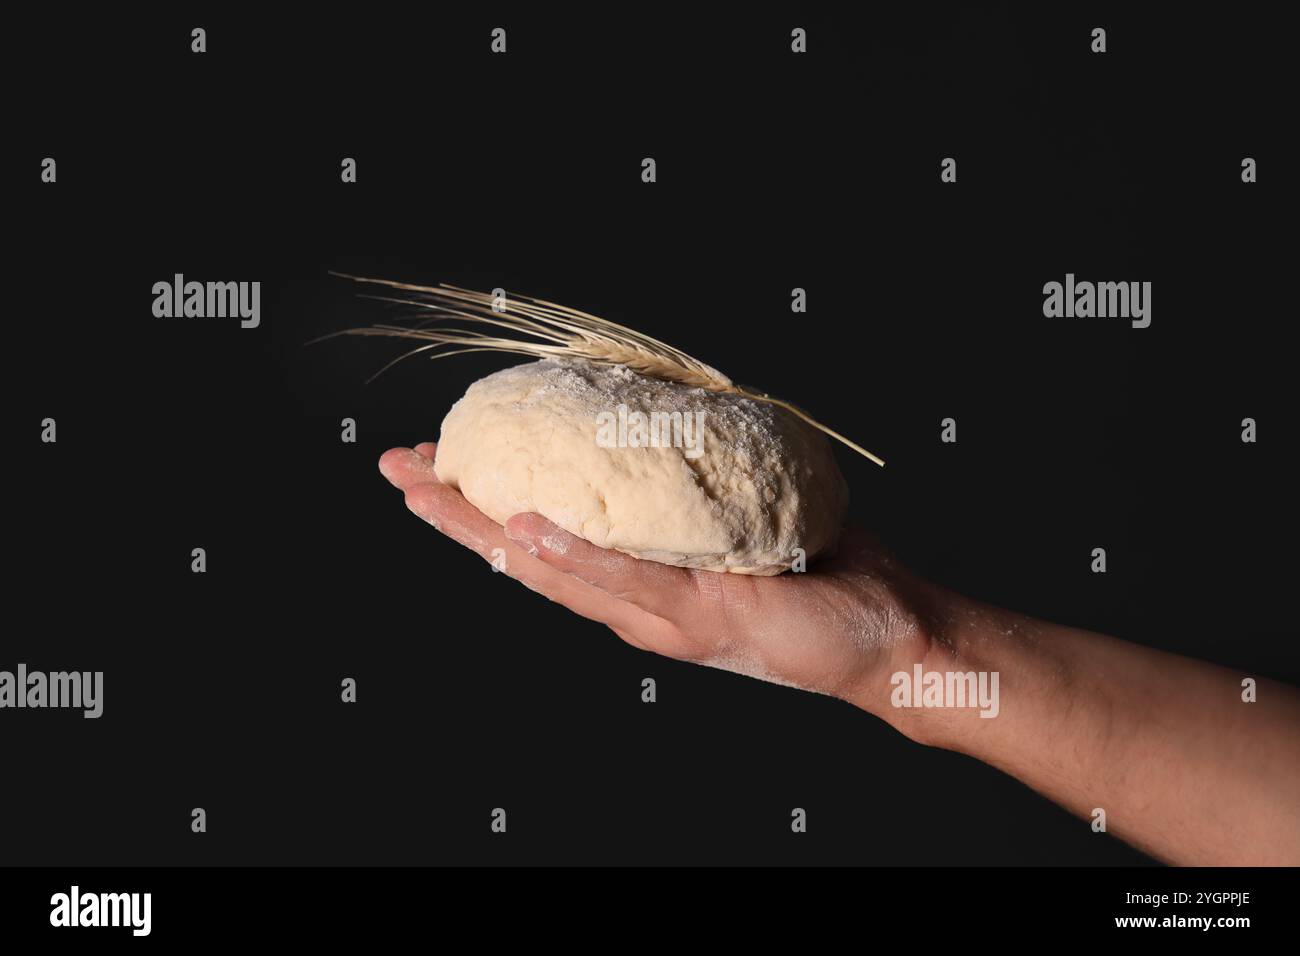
<point>1183,767</point>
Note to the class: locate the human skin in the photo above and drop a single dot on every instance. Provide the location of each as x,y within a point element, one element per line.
<point>1184,769</point>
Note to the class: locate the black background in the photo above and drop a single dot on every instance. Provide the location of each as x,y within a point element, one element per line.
<point>523,171</point>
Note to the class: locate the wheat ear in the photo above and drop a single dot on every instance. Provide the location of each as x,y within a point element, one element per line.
<point>555,331</point>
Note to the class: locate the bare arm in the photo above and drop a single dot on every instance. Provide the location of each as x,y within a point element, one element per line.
<point>1182,766</point>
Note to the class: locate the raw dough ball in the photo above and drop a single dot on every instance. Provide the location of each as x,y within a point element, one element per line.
<point>538,437</point>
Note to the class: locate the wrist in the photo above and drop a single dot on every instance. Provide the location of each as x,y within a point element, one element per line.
<point>912,696</point>
<point>944,687</point>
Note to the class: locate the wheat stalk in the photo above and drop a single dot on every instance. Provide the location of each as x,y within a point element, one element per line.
<point>555,331</point>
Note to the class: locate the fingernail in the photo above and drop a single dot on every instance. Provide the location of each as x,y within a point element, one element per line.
<point>392,460</point>
<point>421,462</point>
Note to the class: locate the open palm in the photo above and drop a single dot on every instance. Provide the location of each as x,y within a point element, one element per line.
<point>838,628</point>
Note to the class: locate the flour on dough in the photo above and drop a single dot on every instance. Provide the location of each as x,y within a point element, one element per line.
<point>766,484</point>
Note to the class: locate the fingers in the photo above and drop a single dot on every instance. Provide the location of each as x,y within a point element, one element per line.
<point>447,510</point>
<point>405,467</point>
<point>665,591</point>
<point>440,505</point>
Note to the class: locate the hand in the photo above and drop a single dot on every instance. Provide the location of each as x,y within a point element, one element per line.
<point>839,628</point>
<point>1183,767</point>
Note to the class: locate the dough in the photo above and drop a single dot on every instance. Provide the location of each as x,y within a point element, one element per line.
<point>560,437</point>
